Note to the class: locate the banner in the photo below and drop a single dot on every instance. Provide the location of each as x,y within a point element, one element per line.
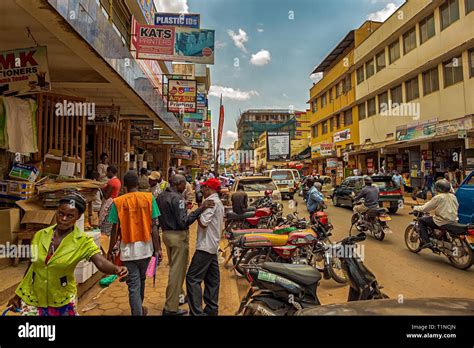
<point>24,71</point>
<point>182,95</point>
<point>197,116</point>
<point>342,135</point>
<point>144,129</point>
<point>278,146</point>
<point>422,129</point>
<point>172,43</point>
<point>178,20</point>
<point>148,10</point>
<point>106,114</point>
<point>326,149</point>
<point>182,152</point>
<point>201,100</point>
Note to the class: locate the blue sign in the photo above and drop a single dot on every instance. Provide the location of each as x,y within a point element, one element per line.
<point>201,100</point>
<point>178,20</point>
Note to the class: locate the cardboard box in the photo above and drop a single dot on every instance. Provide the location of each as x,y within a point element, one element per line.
<point>22,171</point>
<point>52,164</point>
<point>67,169</point>
<point>36,217</point>
<point>10,222</point>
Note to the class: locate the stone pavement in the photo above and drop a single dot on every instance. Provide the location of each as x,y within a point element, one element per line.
<point>114,300</point>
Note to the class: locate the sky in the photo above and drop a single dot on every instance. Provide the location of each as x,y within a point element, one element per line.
<point>267,49</point>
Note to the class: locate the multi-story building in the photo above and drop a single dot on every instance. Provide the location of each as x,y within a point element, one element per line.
<point>415,90</point>
<point>333,112</point>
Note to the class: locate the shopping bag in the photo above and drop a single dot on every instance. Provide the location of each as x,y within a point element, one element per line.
<point>151,270</point>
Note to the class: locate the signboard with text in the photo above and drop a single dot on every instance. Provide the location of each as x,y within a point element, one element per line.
<point>182,95</point>
<point>342,135</point>
<point>178,19</point>
<point>278,146</point>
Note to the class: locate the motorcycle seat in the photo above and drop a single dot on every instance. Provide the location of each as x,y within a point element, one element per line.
<point>376,211</point>
<point>301,274</point>
<point>233,216</point>
<point>455,228</point>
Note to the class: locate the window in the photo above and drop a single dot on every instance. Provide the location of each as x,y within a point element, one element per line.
<point>412,89</point>
<point>369,68</point>
<point>430,81</point>
<point>471,62</point>
<point>396,95</point>
<point>348,117</point>
<point>314,131</point>
<point>409,41</point>
<point>360,75</point>
<point>452,71</point>
<point>338,89</point>
<point>315,105</point>
<point>469,6</point>
<point>427,29</point>
<point>338,122</point>
<point>383,102</point>
<point>323,100</point>
<point>380,59</point>
<point>394,51</point>
<point>362,111</point>
<point>348,83</point>
<point>331,124</point>
<point>449,13</point>
<point>325,127</point>
<point>371,110</point>
<point>331,95</point>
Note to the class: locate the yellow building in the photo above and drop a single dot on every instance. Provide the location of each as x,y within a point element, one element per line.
<point>333,112</point>
<point>415,90</point>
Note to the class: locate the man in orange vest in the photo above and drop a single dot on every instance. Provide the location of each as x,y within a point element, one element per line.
<point>137,213</point>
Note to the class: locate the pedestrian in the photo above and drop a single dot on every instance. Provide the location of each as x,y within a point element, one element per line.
<point>48,287</point>
<point>111,190</point>
<point>102,167</point>
<point>188,192</point>
<point>137,213</point>
<point>197,189</point>
<point>175,223</point>
<point>204,265</point>
<point>239,200</point>
<point>447,178</point>
<point>157,184</point>
<point>397,179</point>
<point>428,184</point>
<point>143,184</point>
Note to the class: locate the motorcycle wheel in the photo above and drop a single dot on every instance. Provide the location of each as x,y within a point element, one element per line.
<point>336,271</point>
<point>378,233</point>
<point>259,308</point>
<point>412,239</point>
<point>462,262</point>
<point>335,202</point>
<point>257,257</point>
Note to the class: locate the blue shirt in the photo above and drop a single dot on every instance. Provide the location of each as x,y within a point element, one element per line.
<point>314,199</point>
<point>397,179</point>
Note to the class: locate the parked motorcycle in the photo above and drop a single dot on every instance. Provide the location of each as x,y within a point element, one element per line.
<point>284,289</point>
<point>454,240</point>
<point>266,217</point>
<point>373,221</point>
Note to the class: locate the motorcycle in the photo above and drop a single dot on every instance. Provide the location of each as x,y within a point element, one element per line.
<point>298,247</point>
<point>283,289</point>
<point>266,217</point>
<point>373,221</point>
<point>454,240</point>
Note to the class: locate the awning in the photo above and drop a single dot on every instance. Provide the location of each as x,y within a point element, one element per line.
<point>305,154</point>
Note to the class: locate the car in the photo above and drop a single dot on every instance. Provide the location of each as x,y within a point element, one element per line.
<point>255,186</point>
<point>465,196</point>
<point>285,180</point>
<point>391,196</point>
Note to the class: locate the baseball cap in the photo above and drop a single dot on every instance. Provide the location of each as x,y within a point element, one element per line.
<point>154,175</point>
<point>212,183</point>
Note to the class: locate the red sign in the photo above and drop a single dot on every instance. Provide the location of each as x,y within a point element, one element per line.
<point>152,40</point>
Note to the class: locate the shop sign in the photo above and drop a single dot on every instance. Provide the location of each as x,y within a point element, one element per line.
<point>278,148</point>
<point>417,130</point>
<point>178,19</point>
<point>197,117</point>
<point>331,162</point>
<point>327,149</point>
<point>453,126</point>
<point>182,152</point>
<point>199,144</point>
<point>24,71</point>
<point>342,135</point>
<point>106,114</point>
<point>201,100</point>
<point>462,133</point>
<point>148,10</point>
<point>171,43</point>
<point>144,130</point>
<point>182,95</point>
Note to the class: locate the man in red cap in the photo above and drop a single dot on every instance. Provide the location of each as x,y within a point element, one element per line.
<point>204,265</point>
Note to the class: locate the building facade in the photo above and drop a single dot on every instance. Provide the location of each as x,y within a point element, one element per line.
<point>415,91</point>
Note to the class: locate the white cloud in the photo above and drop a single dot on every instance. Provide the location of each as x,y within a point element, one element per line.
<point>260,58</point>
<point>230,93</point>
<point>260,30</point>
<point>239,39</point>
<point>231,135</point>
<point>383,14</point>
<point>174,6</point>
<point>316,77</point>
<point>219,45</point>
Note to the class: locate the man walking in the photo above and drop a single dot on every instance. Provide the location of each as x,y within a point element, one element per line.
<point>175,223</point>
<point>204,265</point>
<point>137,213</point>
<point>157,184</point>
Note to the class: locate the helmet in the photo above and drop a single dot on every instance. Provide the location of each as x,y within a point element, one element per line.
<point>318,186</point>
<point>442,185</point>
<point>368,180</point>
<point>268,193</point>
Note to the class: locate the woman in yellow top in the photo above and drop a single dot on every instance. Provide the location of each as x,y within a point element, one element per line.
<point>49,287</point>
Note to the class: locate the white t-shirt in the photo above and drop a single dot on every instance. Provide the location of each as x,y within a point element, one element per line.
<point>136,251</point>
<point>208,239</point>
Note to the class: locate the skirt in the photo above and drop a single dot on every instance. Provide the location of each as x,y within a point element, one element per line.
<point>68,310</point>
<point>105,226</point>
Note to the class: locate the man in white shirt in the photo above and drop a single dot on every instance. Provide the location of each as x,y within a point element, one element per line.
<point>204,265</point>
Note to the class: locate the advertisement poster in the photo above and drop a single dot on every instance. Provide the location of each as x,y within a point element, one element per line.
<point>144,129</point>
<point>201,100</point>
<point>24,71</point>
<point>178,20</point>
<point>182,95</point>
<point>106,114</point>
<point>453,126</point>
<point>331,163</point>
<point>416,130</point>
<point>342,135</point>
<point>197,117</point>
<point>148,10</point>
<point>278,146</point>
<point>326,149</point>
<point>176,44</point>
<point>182,152</point>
